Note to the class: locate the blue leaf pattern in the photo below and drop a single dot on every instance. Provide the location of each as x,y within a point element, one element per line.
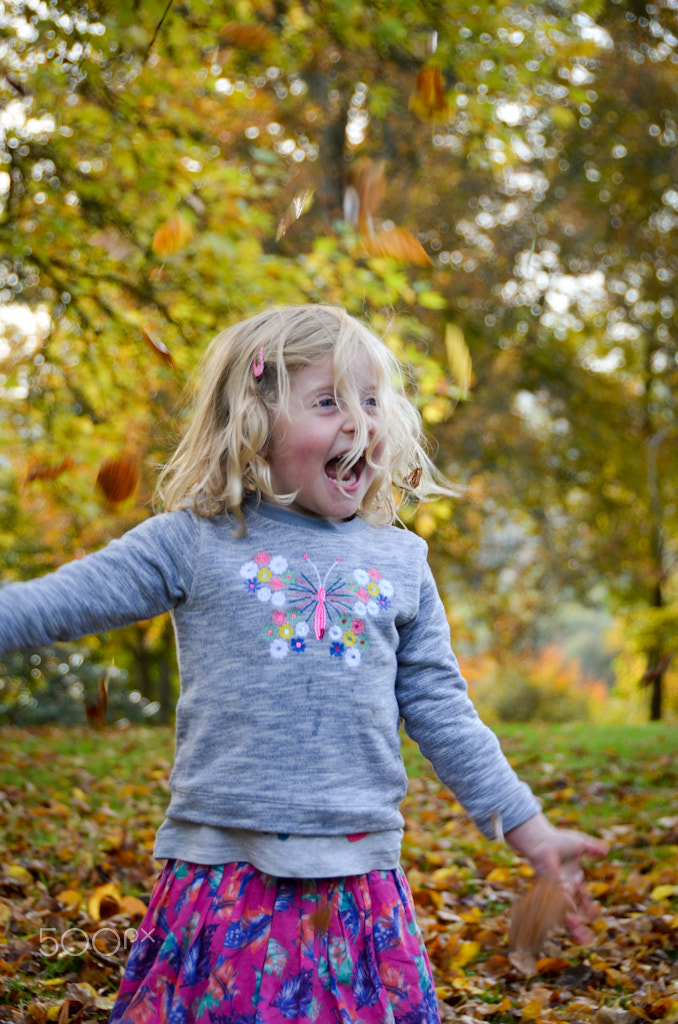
<point>295,995</point>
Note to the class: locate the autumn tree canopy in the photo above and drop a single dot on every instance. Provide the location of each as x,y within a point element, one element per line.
<point>492,186</point>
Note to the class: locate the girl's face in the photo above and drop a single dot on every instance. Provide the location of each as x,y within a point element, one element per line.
<point>311,435</point>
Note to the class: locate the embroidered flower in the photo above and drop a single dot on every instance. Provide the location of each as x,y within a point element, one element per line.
<point>362,595</point>
<point>252,586</point>
<point>336,633</point>
<point>352,657</point>
<point>277,598</point>
<point>249,570</point>
<point>263,558</point>
<point>279,618</point>
<point>384,602</point>
<point>373,589</point>
<point>336,649</point>
<point>298,644</point>
<point>263,594</point>
<point>373,608</point>
<point>275,583</point>
<point>286,631</point>
<point>358,626</point>
<point>302,629</point>
<point>360,610</point>
<point>278,565</point>
<point>361,576</point>
<point>374,574</point>
<point>264,575</point>
<point>350,639</point>
<point>386,588</point>
<point>279,649</point>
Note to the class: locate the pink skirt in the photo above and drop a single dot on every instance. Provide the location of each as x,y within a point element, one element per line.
<point>228,944</point>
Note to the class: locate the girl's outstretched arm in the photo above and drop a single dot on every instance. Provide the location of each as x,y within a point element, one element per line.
<point>558,852</point>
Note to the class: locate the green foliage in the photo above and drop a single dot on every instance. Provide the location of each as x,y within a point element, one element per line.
<point>529,149</point>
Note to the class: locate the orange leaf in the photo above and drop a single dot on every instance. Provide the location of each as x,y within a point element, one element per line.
<point>133,906</point>
<point>104,902</point>
<point>157,345</point>
<point>398,243</point>
<point>248,37</point>
<point>429,100</point>
<point>37,471</point>
<point>119,478</point>
<point>174,234</point>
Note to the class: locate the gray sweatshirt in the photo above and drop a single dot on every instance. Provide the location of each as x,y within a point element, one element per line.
<point>301,646</point>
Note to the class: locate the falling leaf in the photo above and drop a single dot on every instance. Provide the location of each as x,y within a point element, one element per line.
<point>413,479</point>
<point>176,233</point>
<point>119,478</point>
<point>533,917</point>
<point>38,471</point>
<point>300,204</point>
<point>96,711</point>
<point>458,357</point>
<point>157,345</point>
<point>248,37</point>
<point>429,101</point>
<point>371,190</point>
<point>399,244</point>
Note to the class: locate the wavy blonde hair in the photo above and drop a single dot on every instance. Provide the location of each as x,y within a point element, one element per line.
<point>221,460</point>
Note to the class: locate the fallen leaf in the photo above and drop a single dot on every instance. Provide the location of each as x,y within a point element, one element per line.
<point>104,902</point>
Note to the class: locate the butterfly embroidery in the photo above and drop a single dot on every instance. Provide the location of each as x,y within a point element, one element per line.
<point>307,606</point>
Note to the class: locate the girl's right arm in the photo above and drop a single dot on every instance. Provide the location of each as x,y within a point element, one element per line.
<point>143,574</point>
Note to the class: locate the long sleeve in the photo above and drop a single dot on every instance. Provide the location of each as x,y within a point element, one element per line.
<point>146,572</point>
<point>439,715</point>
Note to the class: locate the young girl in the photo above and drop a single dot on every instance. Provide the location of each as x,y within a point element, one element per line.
<point>307,627</point>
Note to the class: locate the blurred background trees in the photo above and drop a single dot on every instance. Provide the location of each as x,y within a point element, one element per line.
<point>492,186</point>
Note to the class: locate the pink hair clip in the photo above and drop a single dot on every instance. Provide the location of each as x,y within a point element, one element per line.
<point>258,363</point>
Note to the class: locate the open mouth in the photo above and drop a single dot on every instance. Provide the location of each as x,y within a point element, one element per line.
<point>343,475</point>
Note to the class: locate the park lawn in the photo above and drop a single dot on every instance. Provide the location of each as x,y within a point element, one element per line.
<point>79,809</point>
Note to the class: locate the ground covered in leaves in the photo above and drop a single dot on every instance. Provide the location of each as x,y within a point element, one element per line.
<point>78,813</point>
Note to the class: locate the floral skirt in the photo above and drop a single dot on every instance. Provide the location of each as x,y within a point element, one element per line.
<point>228,944</point>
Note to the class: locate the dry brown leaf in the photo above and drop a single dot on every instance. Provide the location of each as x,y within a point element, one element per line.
<point>176,233</point>
<point>119,478</point>
<point>398,243</point>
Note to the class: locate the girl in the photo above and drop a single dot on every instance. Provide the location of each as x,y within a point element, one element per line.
<point>307,627</point>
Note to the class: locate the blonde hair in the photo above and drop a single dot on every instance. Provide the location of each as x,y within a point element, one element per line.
<point>221,460</point>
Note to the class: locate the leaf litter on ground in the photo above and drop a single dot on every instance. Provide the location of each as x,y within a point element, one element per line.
<point>78,815</point>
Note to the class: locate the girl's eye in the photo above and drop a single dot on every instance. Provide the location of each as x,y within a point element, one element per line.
<point>326,403</point>
<point>371,401</point>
